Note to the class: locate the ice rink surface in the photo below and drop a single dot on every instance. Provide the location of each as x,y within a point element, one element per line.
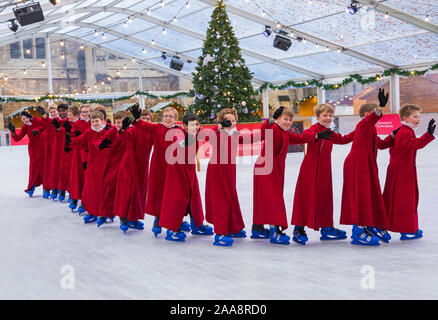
<point>40,239</point>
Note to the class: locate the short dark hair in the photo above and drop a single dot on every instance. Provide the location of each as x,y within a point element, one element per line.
<point>62,106</point>
<point>189,117</point>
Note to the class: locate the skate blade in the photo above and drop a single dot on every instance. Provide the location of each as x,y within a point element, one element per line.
<point>303,243</point>
<point>175,240</point>
<point>370,244</point>
<point>328,238</point>
<point>222,244</point>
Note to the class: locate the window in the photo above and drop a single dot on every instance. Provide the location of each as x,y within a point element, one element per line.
<point>40,48</point>
<point>15,50</point>
<point>27,49</point>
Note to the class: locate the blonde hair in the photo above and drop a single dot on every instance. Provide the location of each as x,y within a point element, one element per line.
<point>97,114</point>
<point>320,108</point>
<point>287,111</point>
<point>120,115</point>
<point>85,106</point>
<point>101,109</point>
<point>53,107</point>
<point>146,112</point>
<point>170,109</point>
<point>221,115</point>
<point>407,109</point>
<point>367,107</point>
<point>74,110</point>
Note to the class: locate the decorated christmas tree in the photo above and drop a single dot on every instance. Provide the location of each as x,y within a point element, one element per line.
<point>221,78</point>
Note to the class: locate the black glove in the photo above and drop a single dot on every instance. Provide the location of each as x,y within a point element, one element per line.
<point>395,131</point>
<point>108,126</point>
<point>67,149</point>
<point>225,123</point>
<point>326,134</point>
<point>77,133</point>
<point>136,112</point>
<point>383,99</point>
<point>26,114</point>
<point>104,144</point>
<point>41,110</point>
<point>278,113</point>
<point>84,165</point>
<point>56,123</point>
<point>67,126</point>
<point>67,139</point>
<point>35,132</point>
<point>12,128</point>
<point>431,126</point>
<point>126,123</point>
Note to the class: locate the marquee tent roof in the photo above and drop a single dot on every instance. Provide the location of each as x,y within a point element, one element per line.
<point>382,35</point>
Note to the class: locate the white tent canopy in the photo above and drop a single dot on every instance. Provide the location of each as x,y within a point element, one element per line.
<point>396,33</point>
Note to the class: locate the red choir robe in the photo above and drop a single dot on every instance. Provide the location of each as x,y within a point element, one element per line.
<point>131,186</point>
<point>36,152</point>
<point>222,207</point>
<point>158,165</point>
<point>181,193</point>
<point>111,170</point>
<point>362,201</point>
<point>66,159</point>
<point>268,201</point>
<point>313,198</point>
<point>79,155</point>
<point>401,187</point>
<point>94,175</point>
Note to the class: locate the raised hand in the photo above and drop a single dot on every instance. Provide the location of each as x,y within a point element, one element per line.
<point>136,112</point>
<point>77,133</point>
<point>325,135</point>
<point>431,126</point>
<point>395,131</point>
<point>278,113</point>
<point>67,149</point>
<point>35,132</point>
<point>383,99</point>
<point>108,126</point>
<point>104,144</point>
<point>225,123</point>
<point>67,126</point>
<point>11,127</point>
<point>126,123</point>
<point>41,110</point>
<point>55,123</point>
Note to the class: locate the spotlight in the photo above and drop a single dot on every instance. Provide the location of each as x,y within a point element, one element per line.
<point>267,31</point>
<point>13,26</point>
<point>353,7</point>
<point>163,56</point>
<point>176,64</point>
<point>282,43</point>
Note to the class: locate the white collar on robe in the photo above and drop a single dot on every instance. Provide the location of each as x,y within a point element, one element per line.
<point>86,120</point>
<point>231,131</point>
<point>410,125</point>
<point>281,126</point>
<point>98,130</point>
<point>74,121</point>
<point>328,127</point>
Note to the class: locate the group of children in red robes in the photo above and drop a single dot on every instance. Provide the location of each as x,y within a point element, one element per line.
<point>106,167</point>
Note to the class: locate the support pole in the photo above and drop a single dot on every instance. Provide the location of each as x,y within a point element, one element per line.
<point>140,86</point>
<point>265,98</point>
<point>320,93</point>
<point>394,91</point>
<point>49,68</point>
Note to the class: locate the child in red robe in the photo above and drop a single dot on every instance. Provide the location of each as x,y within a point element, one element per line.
<point>362,201</point>
<point>94,175</point>
<point>401,187</point>
<point>35,149</point>
<point>221,201</point>
<point>269,170</point>
<point>313,198</point>
<point>181,188</point>
<point>131,189</point>
<point>79,157</point>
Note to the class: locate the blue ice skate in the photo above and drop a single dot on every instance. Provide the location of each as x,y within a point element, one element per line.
<point>383,235</point>
<point>124,226</point>
<point>277,236</point>
<point>54,194</point>
<point>259,232</point>
<point>222,241</point>
<point>156,229</point>
<point>136,225</point>
<point>69,198</point>
<point>31,191</point>
<point>46,194</point>
<point>175,236</point>
<point>81,209</point>
<point>203,230</point>
<point>89,218</point>
<point>331,233</point>
<point>240,234</point>
<point>185,226</point>
<point>361,236</point>
<point>300,236</point>
<point>101,221</point>
<point>61,196</point>
<point>412,236</point>
<point>73,204</point>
